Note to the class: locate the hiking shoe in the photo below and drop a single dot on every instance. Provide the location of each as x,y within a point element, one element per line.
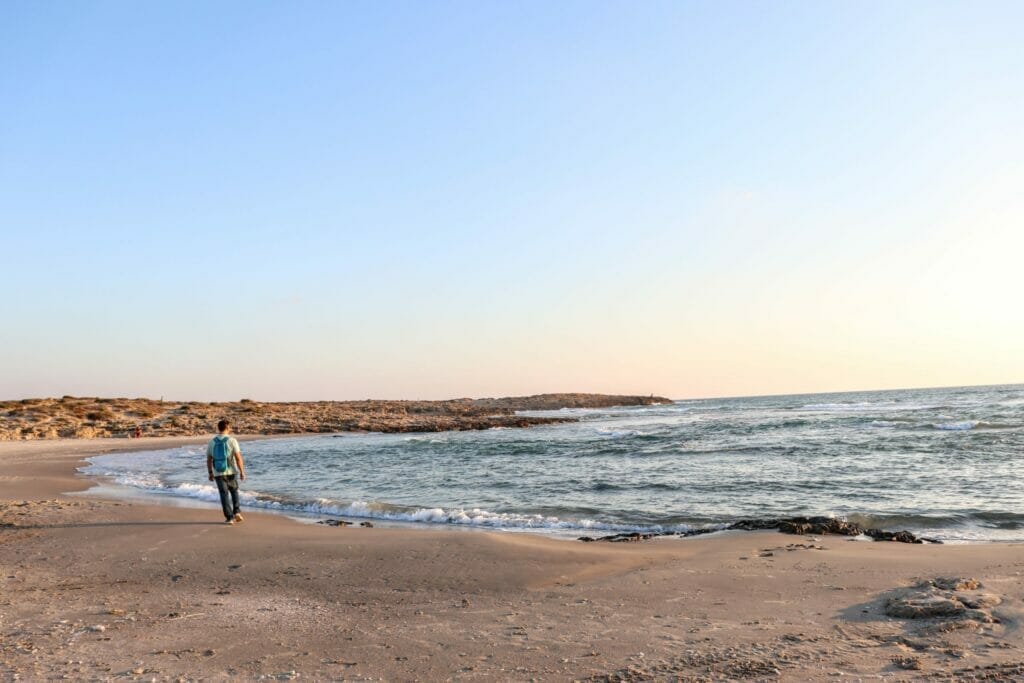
<point>239,517</point>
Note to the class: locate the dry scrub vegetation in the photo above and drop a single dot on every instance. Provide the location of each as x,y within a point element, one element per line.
<point>88,418</point>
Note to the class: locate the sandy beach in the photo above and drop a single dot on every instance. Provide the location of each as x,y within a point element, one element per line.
<point>99,588</point>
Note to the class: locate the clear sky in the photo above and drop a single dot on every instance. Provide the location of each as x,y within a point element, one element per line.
<point>306,200</point>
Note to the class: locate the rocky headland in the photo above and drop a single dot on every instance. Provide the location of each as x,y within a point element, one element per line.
<point>87,418</point>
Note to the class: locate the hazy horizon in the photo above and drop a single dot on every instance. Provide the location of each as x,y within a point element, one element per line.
<point>179,399</point>
<point>335,201</point>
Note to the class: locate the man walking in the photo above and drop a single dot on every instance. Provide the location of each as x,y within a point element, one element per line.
<point>222,457</point>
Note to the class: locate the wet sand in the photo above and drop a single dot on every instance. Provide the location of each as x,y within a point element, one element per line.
<point>97,588</point>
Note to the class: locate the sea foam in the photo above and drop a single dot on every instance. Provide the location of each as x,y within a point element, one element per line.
<point>957,426</point>
<point>471,517</point>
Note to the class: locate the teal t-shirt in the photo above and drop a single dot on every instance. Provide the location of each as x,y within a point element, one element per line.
<point>230,445</point>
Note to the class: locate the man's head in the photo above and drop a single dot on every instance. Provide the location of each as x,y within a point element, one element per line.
<point>223,426</point>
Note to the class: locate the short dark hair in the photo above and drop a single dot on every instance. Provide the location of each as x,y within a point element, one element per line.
<point>222,425</point>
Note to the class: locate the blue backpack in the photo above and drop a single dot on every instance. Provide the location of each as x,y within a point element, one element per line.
<point>221,454</point>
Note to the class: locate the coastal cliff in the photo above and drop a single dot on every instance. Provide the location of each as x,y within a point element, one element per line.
<point>86,418</point>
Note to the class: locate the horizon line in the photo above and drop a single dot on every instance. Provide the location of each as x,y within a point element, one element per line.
<point>546,393</point>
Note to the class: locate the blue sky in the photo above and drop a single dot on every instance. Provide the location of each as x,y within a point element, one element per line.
<point>342,200</point>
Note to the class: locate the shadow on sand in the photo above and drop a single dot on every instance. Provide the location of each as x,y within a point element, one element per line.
<point>87,525</point>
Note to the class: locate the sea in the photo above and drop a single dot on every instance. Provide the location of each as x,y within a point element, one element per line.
<point>947,463</point>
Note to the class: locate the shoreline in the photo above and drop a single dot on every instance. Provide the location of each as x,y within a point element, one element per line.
<point>96,588</point>
<point>599,531</point>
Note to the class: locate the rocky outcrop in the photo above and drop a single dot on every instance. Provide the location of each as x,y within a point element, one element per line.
<point>634,537</point>
<point>801,526</point>
<point>87,418</point>
<point>791,525</point>
<point>827,526</point>
<point>618,538</point>
<point>897,536</point>
<point>945,598</point>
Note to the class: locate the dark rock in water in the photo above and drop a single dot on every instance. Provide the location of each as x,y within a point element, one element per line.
<point>635,536</point>
<point>826,525</point>
<point>632,537</point>
<point>819,525</point>
<point>790,525</point>
<point>334,522</point>
<point>897,536</point>
<point>627,538</point>
<point>369,525</point>
<point>800,526</point>
<point>755,524</point>
<point>696,532</point>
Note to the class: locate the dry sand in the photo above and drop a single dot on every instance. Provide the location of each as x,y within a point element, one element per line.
<point>94,588</point>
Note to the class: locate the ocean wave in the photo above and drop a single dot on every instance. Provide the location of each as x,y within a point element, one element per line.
<point>902,520</point>
<point>618,433</point>
<point>429,439</point>
<point>957,426</point>
<point>973,525</point>
<point>472,517</point>
<point>947,525</point>
<point>648,487</point>
<point>863,406</point>
<point>986,424</point>
<point>138,480</point>
<point>839,406</point>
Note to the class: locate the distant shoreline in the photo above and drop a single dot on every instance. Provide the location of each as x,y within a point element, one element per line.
<point>73,417</point>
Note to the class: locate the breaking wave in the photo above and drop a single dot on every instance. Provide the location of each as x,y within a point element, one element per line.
<point>957,426</point>
<point>619,433</point>
<point>474,517</point>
